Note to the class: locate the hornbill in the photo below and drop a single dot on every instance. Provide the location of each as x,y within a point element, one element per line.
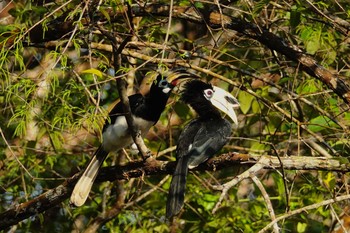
<point>145,110</point>
<point>202,137</point>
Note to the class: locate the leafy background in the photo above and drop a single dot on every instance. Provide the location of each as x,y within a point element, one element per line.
<point>55,93</point>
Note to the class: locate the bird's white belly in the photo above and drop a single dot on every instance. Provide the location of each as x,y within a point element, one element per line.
<point>117,136</point>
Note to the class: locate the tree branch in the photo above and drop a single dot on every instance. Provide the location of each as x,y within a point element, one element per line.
<point>304,209</point>
<point>121,86</point>
<point>276,228</point>
<point>216,20</point>
<point>137,169</point>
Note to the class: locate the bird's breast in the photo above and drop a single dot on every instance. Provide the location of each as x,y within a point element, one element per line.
<point>116,135</point>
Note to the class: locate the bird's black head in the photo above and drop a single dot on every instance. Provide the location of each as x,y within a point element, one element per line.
<point>161,86</point>
<point>160,91</point>
<point>165,83</point>
<point>195,93</point>
<point>207,100</point>
<point>156,99</point>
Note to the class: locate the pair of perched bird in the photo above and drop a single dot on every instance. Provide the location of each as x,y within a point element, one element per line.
<point>199,140</point>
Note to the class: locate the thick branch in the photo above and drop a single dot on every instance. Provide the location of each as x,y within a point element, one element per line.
<point>57,195</point>
<point>38,205</point>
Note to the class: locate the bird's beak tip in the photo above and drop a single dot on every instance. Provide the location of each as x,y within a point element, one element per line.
<point>232,113</point>
<point>224,101</point>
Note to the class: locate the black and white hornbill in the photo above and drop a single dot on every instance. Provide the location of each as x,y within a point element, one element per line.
<point>202,137</point>
<point>145,110</point>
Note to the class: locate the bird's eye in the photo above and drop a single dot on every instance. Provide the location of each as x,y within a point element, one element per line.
<point>208,93</point>
<point>163,83</point>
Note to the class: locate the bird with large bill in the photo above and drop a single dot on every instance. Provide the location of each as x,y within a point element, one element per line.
<point>202,137</point>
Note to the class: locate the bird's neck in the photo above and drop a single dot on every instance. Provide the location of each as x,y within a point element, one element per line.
<point>156,101</point>
<point>205,112</point>
<point>156,104</point>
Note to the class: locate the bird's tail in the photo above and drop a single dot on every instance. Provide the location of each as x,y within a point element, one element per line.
<point>83,186</point>
<point>176,195</point>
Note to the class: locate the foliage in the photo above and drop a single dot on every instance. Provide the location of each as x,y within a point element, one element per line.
<point>54,97</point>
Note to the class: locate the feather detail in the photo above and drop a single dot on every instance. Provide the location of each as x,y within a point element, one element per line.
<point>83,186</point>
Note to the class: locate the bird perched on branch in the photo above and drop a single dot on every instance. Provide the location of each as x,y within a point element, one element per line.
<point>145,110</point>
<point>202,137</point>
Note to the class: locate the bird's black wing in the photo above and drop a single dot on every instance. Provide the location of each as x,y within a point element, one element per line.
<point>202,139</point>
<point>198,141</point>
<point>134,101</point>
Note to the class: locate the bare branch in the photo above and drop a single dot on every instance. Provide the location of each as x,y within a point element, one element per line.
<point>268,203</point>
<point>227,186</point>
<point>121,85</point>
<point>305,209</point>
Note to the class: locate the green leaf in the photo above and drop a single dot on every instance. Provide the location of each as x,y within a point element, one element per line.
<point>329,180</point>
<point>93,71</point>
<point>39,10</point>
<point>6,28</point>
<point>307,87</point>
<point>56,139</point>
<point>199,5</point>
<point>301,227</point>
<point>181,110</point>
<point>313,45</point>
<point>105,14</point>
<point>256,107</point>
<point>258,147</point>
<point>320,123</point>
<point>245,101</point>
<point>294,17</point>
<point>207,201</point>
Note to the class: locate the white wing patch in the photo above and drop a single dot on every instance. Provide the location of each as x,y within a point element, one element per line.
<point>190,147</point>
<point>116,136</point>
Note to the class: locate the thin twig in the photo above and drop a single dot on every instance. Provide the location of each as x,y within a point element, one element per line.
<point>168,29</point>
<point>144,195</point>
<point>86,89</point>
<point>305,209</point>
<point>268,203</point>
<point>14,155</point>
<point>338,219</point>
<point>227,186</point>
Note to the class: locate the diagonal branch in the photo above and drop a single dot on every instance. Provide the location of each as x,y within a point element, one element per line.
<point>276,228</point>
<point>305,209</point>
<point>121,85</point>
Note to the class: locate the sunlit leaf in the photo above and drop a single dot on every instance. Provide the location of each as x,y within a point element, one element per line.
<point>93,71</point>
<point>245,101</point>
<point>301,227</point>
<point>320,123</point>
